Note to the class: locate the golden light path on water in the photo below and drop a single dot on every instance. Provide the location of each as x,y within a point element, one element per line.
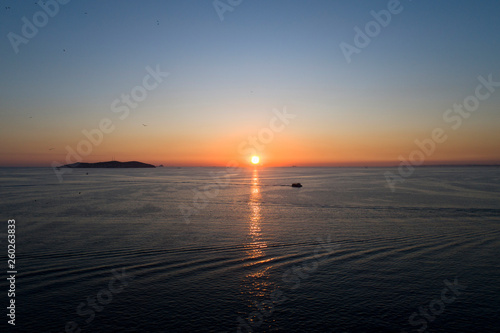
<point>257,246</point>
<point>257,287</point>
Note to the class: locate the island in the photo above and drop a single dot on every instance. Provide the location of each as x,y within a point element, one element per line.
<point>110,164</point>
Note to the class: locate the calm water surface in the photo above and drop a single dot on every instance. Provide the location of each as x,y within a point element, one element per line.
<point>168,250</point>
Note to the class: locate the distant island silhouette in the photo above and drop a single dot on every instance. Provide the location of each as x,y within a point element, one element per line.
<point>110,164</point>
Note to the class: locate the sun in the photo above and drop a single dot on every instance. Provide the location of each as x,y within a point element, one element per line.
<point>255,159</point>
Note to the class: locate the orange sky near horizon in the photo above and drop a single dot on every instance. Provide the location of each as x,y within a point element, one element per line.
<point>295,145</point>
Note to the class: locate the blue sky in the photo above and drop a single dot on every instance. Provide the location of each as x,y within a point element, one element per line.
<point>226,76</point>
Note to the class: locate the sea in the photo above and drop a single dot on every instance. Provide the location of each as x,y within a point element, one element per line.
<point>240,250</point>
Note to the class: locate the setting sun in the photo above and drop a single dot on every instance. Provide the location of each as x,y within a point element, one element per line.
<point>255,159</point>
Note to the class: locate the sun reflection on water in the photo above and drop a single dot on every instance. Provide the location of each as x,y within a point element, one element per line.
<point>257,285</point>
<point>257,246</point>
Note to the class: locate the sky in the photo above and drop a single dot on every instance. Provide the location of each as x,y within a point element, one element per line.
<point>207,83</point>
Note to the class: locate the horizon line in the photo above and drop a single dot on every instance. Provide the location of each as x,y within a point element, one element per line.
<point>354,165</point>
